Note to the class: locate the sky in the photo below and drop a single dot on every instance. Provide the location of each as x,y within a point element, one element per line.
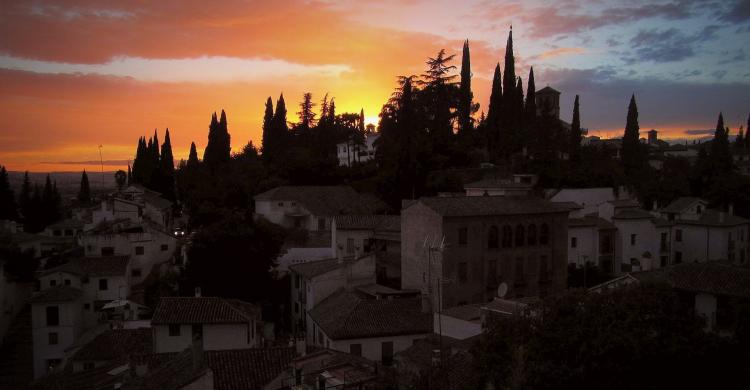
<point>84,77</point>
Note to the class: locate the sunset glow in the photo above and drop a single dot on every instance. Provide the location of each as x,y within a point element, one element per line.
<point>80,73</point>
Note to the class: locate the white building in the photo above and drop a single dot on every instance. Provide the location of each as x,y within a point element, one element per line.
<point>216,323</point>
<point>588,198</point>
<point>349,152</point>
<point>517,185</point>
<point>137,204</point>
<point>56,323</point>
<point>591,240</point>
<point>147,245</point>
<point>362,325</point>
<point>378,234</point>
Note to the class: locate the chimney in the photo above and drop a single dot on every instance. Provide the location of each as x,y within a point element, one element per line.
<point>197,292</point>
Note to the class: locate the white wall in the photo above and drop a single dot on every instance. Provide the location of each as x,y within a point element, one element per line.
<point>455,327</point>
<point>302,255</point>
<point>587,246</point>
<point>372,347</point>
<point>358,273</point>
<point>68,330</point>
<point>216,337</point>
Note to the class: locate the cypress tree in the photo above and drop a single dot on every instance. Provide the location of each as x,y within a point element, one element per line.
<point>193,161</point>
<point>166,166</point>
<point>575,134</point>
<point>494,113</point>
<point>509,118</point>
<point>739,142</point>
<point>24,198</point>
<point>631,144</point>
<point>465,95</point>
<point>268,136</point>
<point>720,156</point>
<point>530,107</point>
<point>509,76</point>
<point>8,207</point>
<point>84,193</point>
<point>130,175</point>
<point>218,149</point>
<point>519,140</point>
<point>407,155</point>
<point>361,124</point>
<point>306,114</point>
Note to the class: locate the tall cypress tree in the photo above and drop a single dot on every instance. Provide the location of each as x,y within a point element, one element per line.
<point>24,198</point>
<point>407,157</point>
<point>530,107</point>
<point>494,113</point>
<point>574,150</point>
<point>218,149</point>
<point>509,119</point>
<point>280,127</point>
<point>739,142</point>
<point>465,94</point>
<point>268,136</point>
<point>720,155</point>
<point>84,193</point>
<point>519,140</point>
<point>166,167</point>
<point>8,207</point>
<point>631,155</point>
<point>193,161</point>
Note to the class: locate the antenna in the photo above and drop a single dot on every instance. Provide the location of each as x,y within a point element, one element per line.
<point>101,161</point>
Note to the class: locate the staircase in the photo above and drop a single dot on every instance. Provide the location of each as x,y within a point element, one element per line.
<point>16,354</point>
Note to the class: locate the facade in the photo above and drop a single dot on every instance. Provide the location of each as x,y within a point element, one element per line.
<point>56,323</point>
<point>13,296</point>
<point>146,244</point>
<point>592,240</point>
<point>330,369</point>
<point>589,199</point>
<point>349,153</point>
<point>548,98</point>
<point>217,324</point>
<point>378,234</point>
<point>518,185</point>
<point>362,325</point>
<point>459,250</point>
<point>312,282</point>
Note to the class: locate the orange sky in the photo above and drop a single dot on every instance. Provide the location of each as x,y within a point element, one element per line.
<point>78,74</point>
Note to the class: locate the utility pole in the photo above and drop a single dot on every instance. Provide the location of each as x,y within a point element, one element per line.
<point>101,162</point>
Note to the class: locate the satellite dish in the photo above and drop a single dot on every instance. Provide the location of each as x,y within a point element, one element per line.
<point>502,289</point>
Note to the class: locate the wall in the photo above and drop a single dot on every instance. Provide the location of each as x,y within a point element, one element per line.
<point>647,240</point>
<point>587,247</point>
<point>418,222</point>
<point>357,273</point>
<point>455,327</point>
<point>300,256</point>
<point>360,237</point>
<point>68,330</point>
<point>12,299</point>
<point>705,305</point>
<point>216,337</point>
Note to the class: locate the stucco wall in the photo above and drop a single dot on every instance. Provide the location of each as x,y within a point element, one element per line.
<point>216,337</point>
<point>68,330</point>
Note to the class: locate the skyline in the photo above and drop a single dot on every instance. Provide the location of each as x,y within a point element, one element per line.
<point>78,75</point>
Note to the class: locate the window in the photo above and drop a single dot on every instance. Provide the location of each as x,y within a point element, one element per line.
<point>531,235</point>
<point>296,307</point>
<point>174,330</point>
<point>350,246</point>
<point>103,285</point>
<point>321,224</point>
<point>355,349</point>
<point>53,316</point>
<point>507,236</point>
<point>678,235</point>
<point>544,234</point>
<point>52,338</point>
<point>663,242</point>
<point>108,251</point>
<point>139,250</point>
<point>632,239</point>
<point>67,282</point>
<point>281,204</point>
<point>387,352</point>
<point>53,283</point>
<point>463,271</point>
<point>57,233</point>
<point>164,247</point>
<point>520,236</point>
<point>677,257</point>
<point>135,272</point>
<point>462,236</point>
<point>492,237</point>
<point>573,242</point>
<point>663,261</point>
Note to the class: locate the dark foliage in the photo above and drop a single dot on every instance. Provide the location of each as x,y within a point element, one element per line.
<point>8,206</point>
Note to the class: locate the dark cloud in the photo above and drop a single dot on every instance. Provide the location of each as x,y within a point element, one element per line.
<point>732,57</point>
<point>605,96</point>
<point>719,74</point>
<point>613,42</point>
<point>667,45</point>
<point>699,132</point>
<point>739,12</point>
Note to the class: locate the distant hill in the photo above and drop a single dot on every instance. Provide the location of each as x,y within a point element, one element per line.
<point>68,183</point>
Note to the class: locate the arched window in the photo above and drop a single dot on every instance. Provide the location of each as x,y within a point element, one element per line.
<point>544,234</point>
<point>507,236</point>
<point>531,235</point>
<point>520,235</point>
<point>492,237</point>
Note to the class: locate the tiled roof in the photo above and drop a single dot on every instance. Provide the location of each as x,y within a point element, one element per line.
<point>464,312</point>
<point>633,214</point>
<point>315,268</point>
<point>368,222</point>
<point>590,221</point>
<point>157,201</point>
<point>94,266</point>
<point>714,218</point>
<point>56,294</point>
<point>326,200</point>
<point>466,206</point>
<point>624,203</point>
<point>202,310</point>
<point>348,315</point>
<point>548,89</point>
<point>116,344</point>
<point>98,378</point>
<point>680,204</point>
<point>173,374</point>
<point>497,183</point>
<point>248,368</point>
<point>714,277</point>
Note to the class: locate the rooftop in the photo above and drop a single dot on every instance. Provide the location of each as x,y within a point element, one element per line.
<point>56,294</point>
<point>713,277</point>
<point>680,204</point>
<point>368,222</point>
<point>348,315</point>
<point>251,368</point>
<point>312,269</point>
<point>714,218</point>
<point>497,183</point>
<point>93,266</point>
<point>591,221</point>
<point>633,214</point>
<point>547,90</point>
<point>326,200</point>
<point>203,310</point>
<point>115,344</point>
<point>466,206</point>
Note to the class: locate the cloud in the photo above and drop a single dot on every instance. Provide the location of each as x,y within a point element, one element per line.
<point>668,45</point>
<point>202,69</point>
<point>558,52</point>
<point>700,132</point>
<point>739,12</point>
<point>96,163</point>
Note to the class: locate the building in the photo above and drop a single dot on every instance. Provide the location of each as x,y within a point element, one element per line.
<point>56,318</point>
<point>548,98</point>
<point>111,346</point>
<point>147,244</point>
<point>100,280</point>
<point>378,234</point>
<point>592,240</point>
<point>314,281</point>
<point>215,323</point>
<point>518,185</point>
<point>716,289</point>
<point>360,324</point>
<point>313,208</point>
<point>589,199</point>
<point>331,369</point>
<point>459,250</point>
<point>459,322</point>
<point>349,153</point>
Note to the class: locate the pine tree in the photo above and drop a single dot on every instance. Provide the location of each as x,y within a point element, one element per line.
<point>306,113</point>
<point>465,96</point>
<point>632,156</point>
<point>193,161</point>
<point>166,166</point>
<point>494,113</point>
<point>438,97</point>
<point>575,134</point>
<point>8,207</point>
<point>720,155</point>
<point>280,129</point>
<point>84,193</point>
<point>268,136</point>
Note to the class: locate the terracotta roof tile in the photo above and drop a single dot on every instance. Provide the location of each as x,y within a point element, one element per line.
<point>202,310</point>
<point>94,266</point>
<point>115,344</point>
<point>464,206</point>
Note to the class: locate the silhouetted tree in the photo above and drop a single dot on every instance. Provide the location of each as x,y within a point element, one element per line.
<point>24,198</point>
<point>166,165</point>
<point>575,134</point>
<point>193,162</point>
<point>306,114</point>
<point>720,156</point>
<point>739,142</point>
<point>268,146</point>
<point>494,114</point>
<point>465,126</point>
<point>8,207</point>
<point>529,119</point>
<point>121,179</point>
<point>632,150</point>
<point>509,125</point>
<point>84,193</point>
<point>218,149</point>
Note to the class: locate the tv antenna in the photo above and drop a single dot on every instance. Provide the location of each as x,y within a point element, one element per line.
<point>101,162</point>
